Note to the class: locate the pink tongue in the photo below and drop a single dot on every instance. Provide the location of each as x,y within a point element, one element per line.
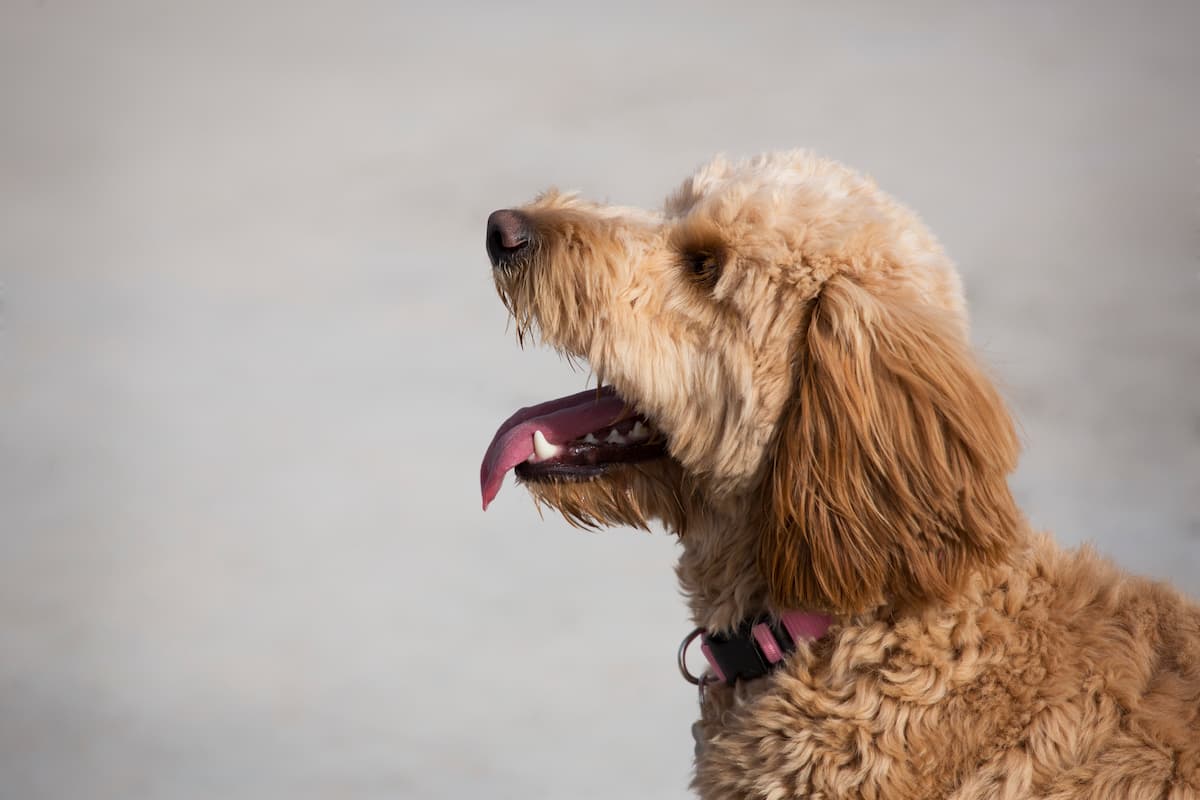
<point>559,420</point>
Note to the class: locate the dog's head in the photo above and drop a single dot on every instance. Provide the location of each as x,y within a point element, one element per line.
<point>783,339</point>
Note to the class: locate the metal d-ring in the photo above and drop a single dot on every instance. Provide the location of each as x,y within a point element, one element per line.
<point>682,656</point>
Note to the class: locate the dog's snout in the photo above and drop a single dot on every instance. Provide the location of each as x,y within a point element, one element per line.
<point>508,236</point>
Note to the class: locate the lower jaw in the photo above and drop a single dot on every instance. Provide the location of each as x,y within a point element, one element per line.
<point>615,494</point>
<point>561,473</point>
<point>567,472</point>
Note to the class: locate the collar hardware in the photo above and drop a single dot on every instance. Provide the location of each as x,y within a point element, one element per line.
<point>681,656</point>
<point>753,649</point>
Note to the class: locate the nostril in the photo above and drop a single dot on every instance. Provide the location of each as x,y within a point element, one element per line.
<point>508,233</point>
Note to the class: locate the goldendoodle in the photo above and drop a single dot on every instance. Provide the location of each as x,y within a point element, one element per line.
<point>787,385</point>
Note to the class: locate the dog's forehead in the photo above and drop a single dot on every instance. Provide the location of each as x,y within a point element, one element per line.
<point>837,216</point>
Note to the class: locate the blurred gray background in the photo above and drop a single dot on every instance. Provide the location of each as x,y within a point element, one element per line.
<point>250,356</point>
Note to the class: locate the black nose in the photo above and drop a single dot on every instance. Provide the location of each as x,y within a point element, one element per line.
<point>508,236</point>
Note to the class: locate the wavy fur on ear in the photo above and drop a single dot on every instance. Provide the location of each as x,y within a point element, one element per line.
<point>888,478</point>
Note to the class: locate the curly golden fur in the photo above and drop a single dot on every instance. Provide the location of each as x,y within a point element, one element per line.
<point>800,338</point>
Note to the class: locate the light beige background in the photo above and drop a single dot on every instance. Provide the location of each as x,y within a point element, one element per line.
<point>250,356</point>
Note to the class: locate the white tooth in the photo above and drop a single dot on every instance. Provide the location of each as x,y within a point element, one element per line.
<point>591,439</point>
<point>542,448</point>
<point>639,432</point>
<point>615,438</point>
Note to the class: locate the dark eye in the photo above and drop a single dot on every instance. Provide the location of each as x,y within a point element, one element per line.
<point>704,267</point>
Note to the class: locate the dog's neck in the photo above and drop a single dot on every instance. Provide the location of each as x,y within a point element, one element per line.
<point>719,571</point>
<point>720,575</point>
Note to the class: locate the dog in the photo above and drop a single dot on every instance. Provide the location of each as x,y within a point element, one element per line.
<point>786,384</point>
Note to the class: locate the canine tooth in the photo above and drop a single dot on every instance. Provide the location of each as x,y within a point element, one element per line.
<point>639,432</point>
<point>591,439</point>
<point>615,438</point>
<point>542,448</point>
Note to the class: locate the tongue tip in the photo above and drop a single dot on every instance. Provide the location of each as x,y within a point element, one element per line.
<point>483,490</point>
<point>506,452</point>
<point>489,485</point>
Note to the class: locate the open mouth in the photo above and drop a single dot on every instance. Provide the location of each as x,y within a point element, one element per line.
<point>575,438</point>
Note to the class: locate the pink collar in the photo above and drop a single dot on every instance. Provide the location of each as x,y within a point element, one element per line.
<point>756,647</point>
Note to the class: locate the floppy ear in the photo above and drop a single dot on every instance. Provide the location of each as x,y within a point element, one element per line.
<point>888,476</point>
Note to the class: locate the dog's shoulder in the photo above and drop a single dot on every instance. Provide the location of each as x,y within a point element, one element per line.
<point>1054,665</point>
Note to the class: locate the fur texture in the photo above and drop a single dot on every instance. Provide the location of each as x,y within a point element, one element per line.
<point>800,338</point>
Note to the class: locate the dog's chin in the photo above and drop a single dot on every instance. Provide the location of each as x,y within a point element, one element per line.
<point>612,494</point>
